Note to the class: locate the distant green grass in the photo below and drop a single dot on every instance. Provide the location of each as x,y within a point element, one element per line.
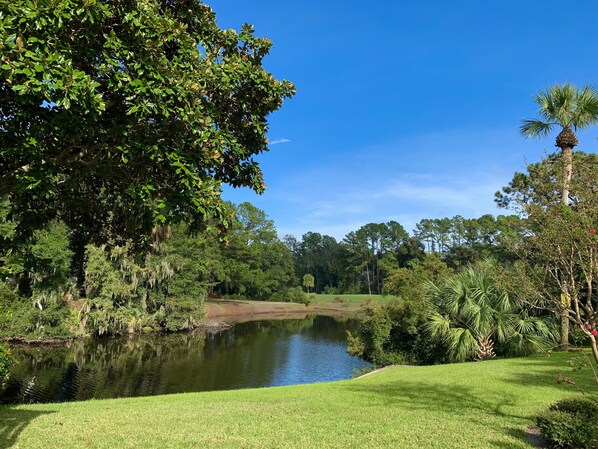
<point>351,301</point>
<point>470,405</point>
<point>356,298</point>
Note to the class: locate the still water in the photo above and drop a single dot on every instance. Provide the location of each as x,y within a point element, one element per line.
<point>253,354</point>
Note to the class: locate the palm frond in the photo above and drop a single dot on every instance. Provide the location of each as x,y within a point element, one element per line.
<point>437,326</point>
<point>535,128</point>
<point>462,344</point>
<point>564,105</point>
<point>587,107</point>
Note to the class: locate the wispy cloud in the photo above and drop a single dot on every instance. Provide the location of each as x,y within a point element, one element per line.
<point>429,176</point>
<point>277,141</point>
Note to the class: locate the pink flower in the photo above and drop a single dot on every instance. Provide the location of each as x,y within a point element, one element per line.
<point>592,231</point>
<point>594,332</point>
<point>588,326</point>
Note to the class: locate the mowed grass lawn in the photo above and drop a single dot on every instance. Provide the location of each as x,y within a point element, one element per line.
<point>350,303</point>
<point>356,298</point>
<point>470,405</point>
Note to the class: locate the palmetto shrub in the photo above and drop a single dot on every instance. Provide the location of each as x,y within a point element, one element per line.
<point>477,320</point>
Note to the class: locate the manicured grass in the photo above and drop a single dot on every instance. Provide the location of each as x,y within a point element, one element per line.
<point>356,298</point>
<point>350,303</point>
<point>470,405</point>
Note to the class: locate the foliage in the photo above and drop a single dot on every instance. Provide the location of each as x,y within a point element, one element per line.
<point>256,264</point>
<point>462,241</point>
<point>409,282</point>
<point>6,358</point>
<point>48,264</point>
<point>322,257</point>
<point>308,281</point>
<point>469,313</point>
<point>393,333</point>
<point>570,109</point>
<point>124,289</point>
<point>376,248</point>
<point>120,115</point>
<point>570,423</point>
<point>294,294</point>
<point>560,251</point>
<point>6,361</point>
<point>565,106</point>
<point>125,293</point>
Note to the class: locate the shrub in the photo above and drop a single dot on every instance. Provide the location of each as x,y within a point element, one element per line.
<point>180,315</point>
<point>393,334</point>
<point>570,423</point>
<point>6,361</point>
<point>296,294</point>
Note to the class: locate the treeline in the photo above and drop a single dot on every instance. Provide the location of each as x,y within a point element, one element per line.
<point>57,283</point>
<point>513,288</point>
<point>363,260</point>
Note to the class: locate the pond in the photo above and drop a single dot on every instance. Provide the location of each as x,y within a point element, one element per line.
<point>248,355</point>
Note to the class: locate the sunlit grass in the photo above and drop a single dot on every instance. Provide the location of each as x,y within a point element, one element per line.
<point>349,303</point>
<point>357,298</point>
<point>471,405</point>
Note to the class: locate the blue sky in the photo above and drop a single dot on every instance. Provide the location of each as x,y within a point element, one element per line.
<point>407,110</point>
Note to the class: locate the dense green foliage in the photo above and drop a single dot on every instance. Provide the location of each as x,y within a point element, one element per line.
<point>118,289</point>
<point>116,116</point>
<point>257,265</point>
<point>367,259</point>
<point>461,317</point>
<point>570,423</point>
<point>559,255</point>
<point>6,358</point>
<point>410,282</point>
<point>393,334</point>
<point>475,318</point>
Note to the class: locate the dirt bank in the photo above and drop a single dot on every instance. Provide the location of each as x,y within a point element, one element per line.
<point>237,311</point>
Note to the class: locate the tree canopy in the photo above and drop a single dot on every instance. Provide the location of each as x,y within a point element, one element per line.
<point>117,116</point>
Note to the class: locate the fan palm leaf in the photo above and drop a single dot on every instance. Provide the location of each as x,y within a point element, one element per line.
<point>468,309</point>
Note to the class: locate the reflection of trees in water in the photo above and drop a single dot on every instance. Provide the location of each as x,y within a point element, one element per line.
<point>246,355</point>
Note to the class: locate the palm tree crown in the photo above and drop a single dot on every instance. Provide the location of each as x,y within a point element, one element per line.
<point>565,106</point>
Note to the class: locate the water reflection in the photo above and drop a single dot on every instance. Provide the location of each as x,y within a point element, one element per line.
<point>252,354</point>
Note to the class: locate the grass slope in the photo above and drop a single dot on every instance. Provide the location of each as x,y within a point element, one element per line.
<point>470,405</point>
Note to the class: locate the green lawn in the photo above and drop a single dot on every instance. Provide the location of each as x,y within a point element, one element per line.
<point>356,298</point>
<point>470,405</point>
<point>350,302</point>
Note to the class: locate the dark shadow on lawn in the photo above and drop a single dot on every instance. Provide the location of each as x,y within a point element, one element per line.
<point>13,421</point>
<point>451,399</point>
<point>556,368</point>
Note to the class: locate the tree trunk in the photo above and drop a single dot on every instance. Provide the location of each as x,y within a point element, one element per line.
<point>485,349</point>
<point>567,152</point>
<point>594,348</point>
<point>566,141</point>
<point>567,172</point>
<point>367,273</point>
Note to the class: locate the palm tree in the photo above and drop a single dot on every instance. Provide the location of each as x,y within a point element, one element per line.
<point>570,109</point>
<point>476,320</point>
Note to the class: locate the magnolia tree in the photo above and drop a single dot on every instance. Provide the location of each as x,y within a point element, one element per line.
<point>119,116</point>
<point>560,247</point>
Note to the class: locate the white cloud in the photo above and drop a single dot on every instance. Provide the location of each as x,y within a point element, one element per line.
<point>278,141</point>
<point>428,176</point>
